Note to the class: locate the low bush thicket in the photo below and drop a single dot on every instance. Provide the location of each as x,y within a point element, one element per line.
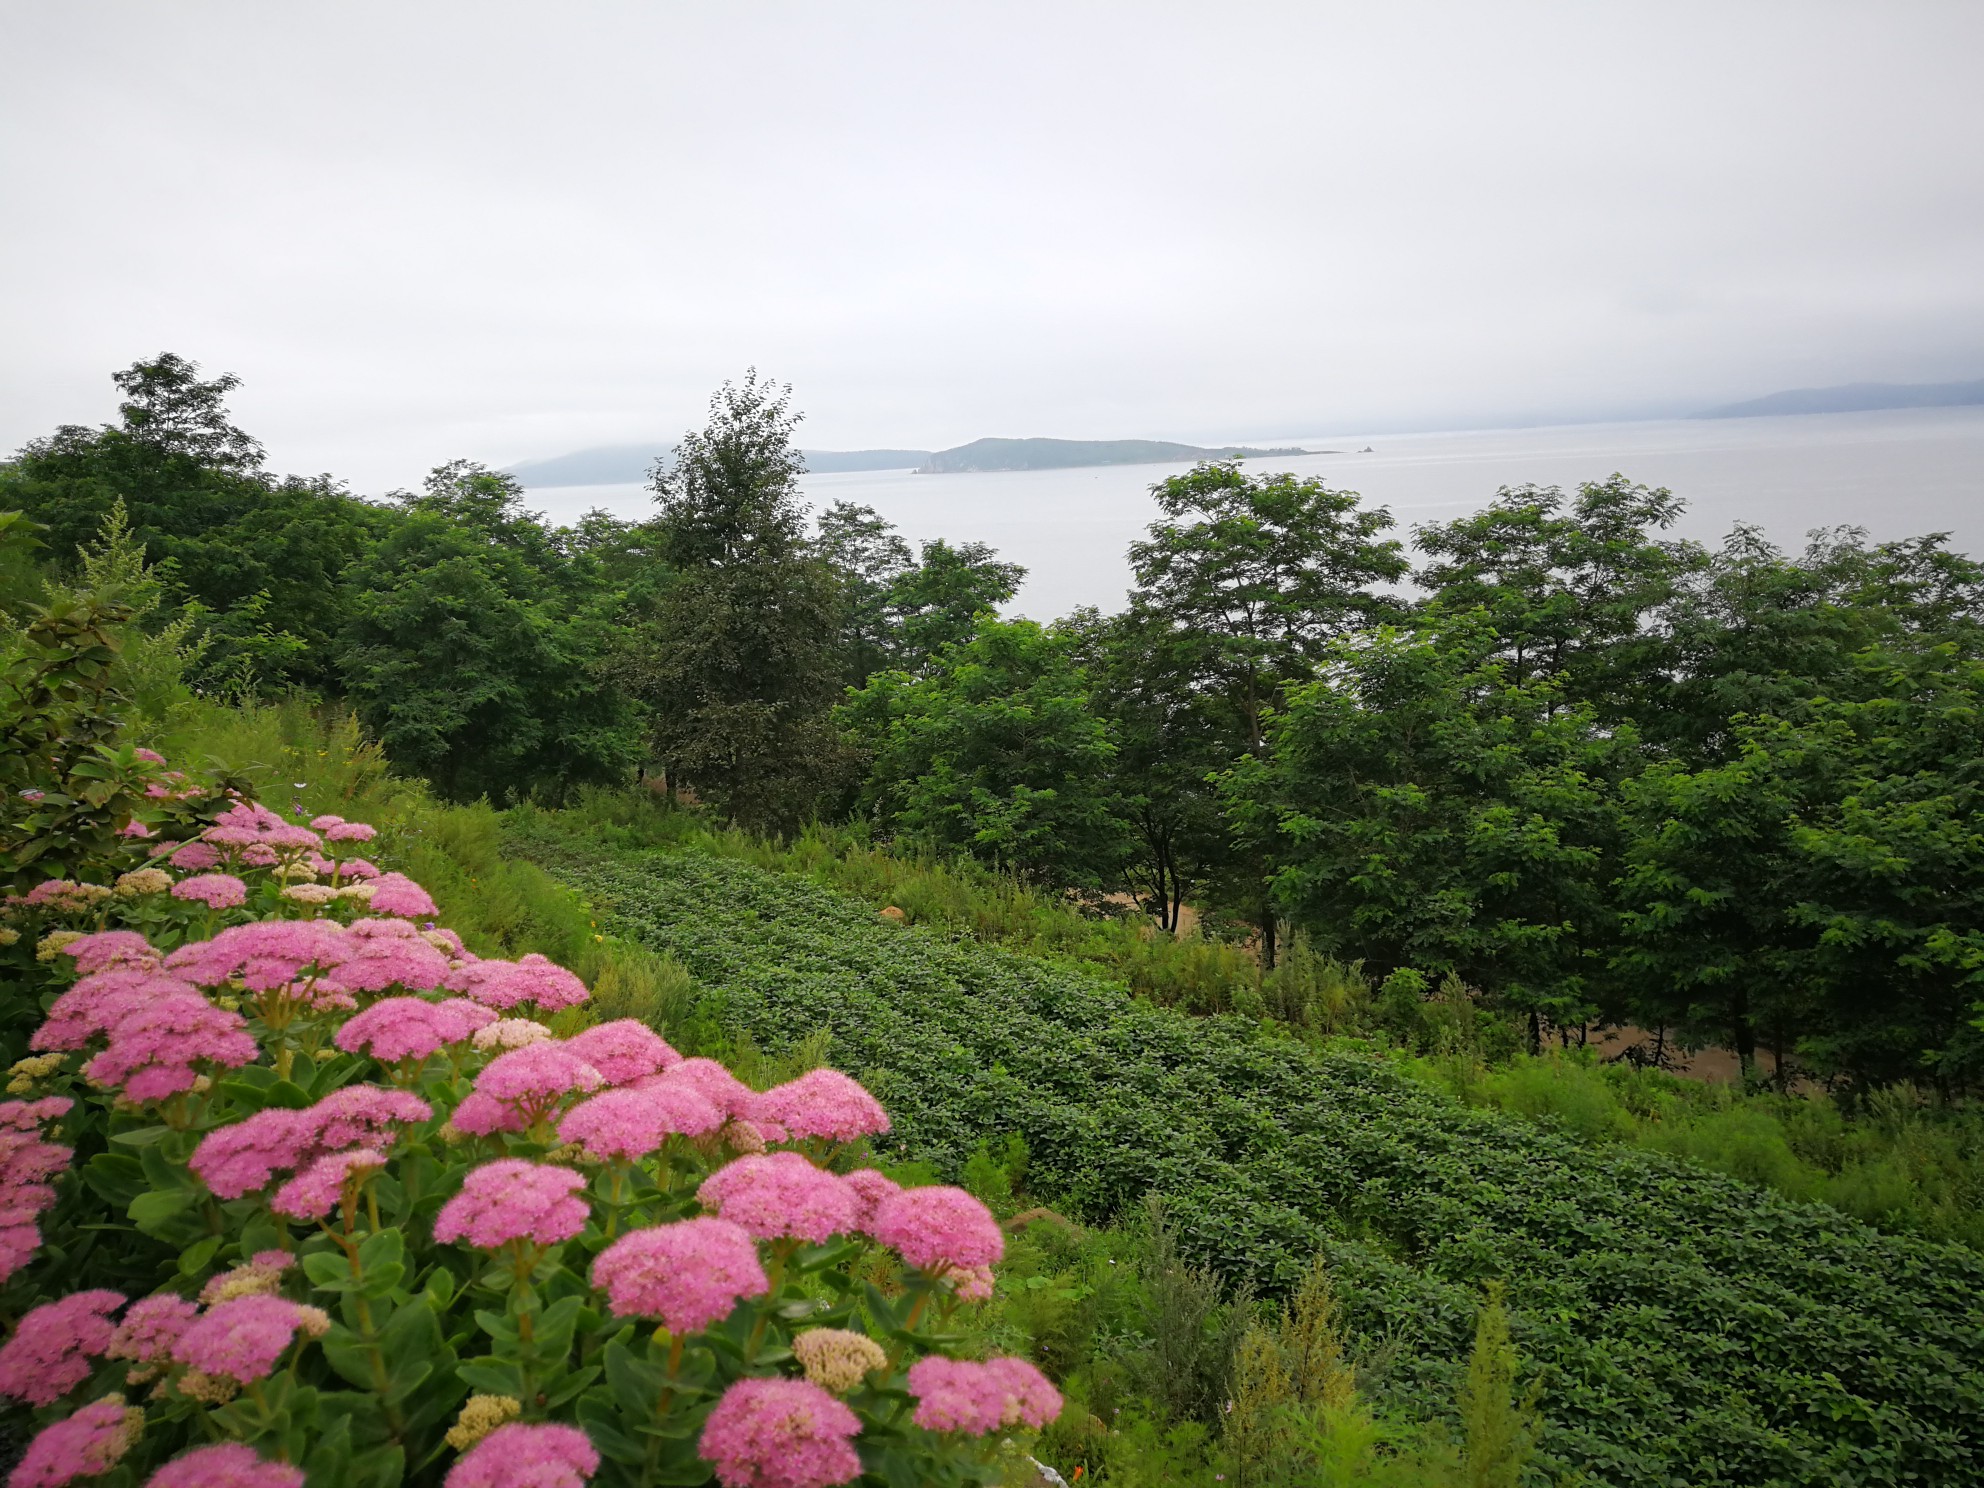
<point>1688,1327</point>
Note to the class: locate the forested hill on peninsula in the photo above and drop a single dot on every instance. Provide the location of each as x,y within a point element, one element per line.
<point>620,464</point>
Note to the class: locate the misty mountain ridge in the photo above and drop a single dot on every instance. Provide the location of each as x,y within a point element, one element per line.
<point>1855,397</point>
<point>622,464</point>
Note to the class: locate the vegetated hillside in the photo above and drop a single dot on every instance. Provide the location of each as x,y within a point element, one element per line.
<point>1689,1329</point>
<point>622,464</point>
<point>1055,454</point>
<point>1855,397</point>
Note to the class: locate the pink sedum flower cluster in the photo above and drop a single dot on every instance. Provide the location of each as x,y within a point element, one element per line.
<point>396,894</point>
<point>50,1352</point>
<point>938,1229</point>
<point>622,1125</point>
<point>85,1445</point>
<point>781,1196</point>
<point>822,1103</point>
<point>523,1456</point>
<point>623,1051</point>
<point>781,1433</point>
<point>239,1159</point>
<point>27,1162</point>
<point>215,890</point>
<point>504,985</point>
<point>243,1338</point>
<point>112,948</point>
<point>686,1275</point>
<point>522,1087</point>
<point>397,1028</point>
<point>512,1199</point>
<point>959,1395</point>
<point>229,1465</point>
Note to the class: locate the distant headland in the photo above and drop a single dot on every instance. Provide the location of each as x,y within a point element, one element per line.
<point>620,464</point>
<point>1855,397</point>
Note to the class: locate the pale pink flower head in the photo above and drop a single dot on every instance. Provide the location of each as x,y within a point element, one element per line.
<point>363,1116</point>
<point>345,831</point>
<point>724,1090</point>
<point>468,1015</point>
<point>148,756</point>
<point>229,1465</point>
<point>870,1187</point>
<point>150,1328</point>
<point>50,1352</point>
<point>327,1182</point>
<point>241,1338</point>
<point>520,1455</point>
<point>499,1034</point>
<point>238,1159</point>
<point>974,1284</point>
<point>512,1199</point>
<point>290,839</point>
<point>623,1050</point>
<point>259,855</point>
<point>136,830</point>
<point>357,868</point>
<point>780,1433</point>
<point>325,823</point>
<point>379,963</point>
<point>93,1006</point>
<point>396,894</point>
<point>215,890</point>
<point>397,1028</point>
<point>959,1395</point>
<point>686,1275</point>
<point>112,949</point>
<point>375,928</point>
<point>938,1228</point>
<point>628,1124</point>
<point>822,1103</point>
<point>153,1048</point>
<point>532,1082</point>
<point>195,857</point>
<point>265,955</point>
<point>780,1196</point>
<point>86,1445</point>
<point>508,984</point>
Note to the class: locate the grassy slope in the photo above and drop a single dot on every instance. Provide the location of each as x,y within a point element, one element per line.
<point>1693,1329</point>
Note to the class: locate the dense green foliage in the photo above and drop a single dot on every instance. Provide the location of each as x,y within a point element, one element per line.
<point>1688,1327</point>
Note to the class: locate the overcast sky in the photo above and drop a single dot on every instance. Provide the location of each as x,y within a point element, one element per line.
<point>421,230</point>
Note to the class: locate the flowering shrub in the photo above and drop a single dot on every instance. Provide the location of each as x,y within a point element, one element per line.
<point>293,1185</point>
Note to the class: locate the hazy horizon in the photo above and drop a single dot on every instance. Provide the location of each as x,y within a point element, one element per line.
<point>505,231</point>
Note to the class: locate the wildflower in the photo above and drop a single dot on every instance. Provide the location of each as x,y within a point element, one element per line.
<point>50,1352</point>
<point>229,1465</point>
<point>265,955</point>
<point>507,984</point>
<point>357,893</point>
<point>326,1183</point>
<point>65,896</point>
<point>208,1389</point>
<point>348,832</point>
<point>686,1275</point>
<point>480,1415</point>
<point>837,1360</point>
<point>780,1196</point>
<point>363,1114</point>
<point>215,890</point>
<point>396,894</point>
<point>136,830</point>
<point>632,1123</point>
<point>970,1283</point>
<point>512,1199</point>
<point>446,942</point>
<point>148,756</point>
<point>53,943</point>
<point>96,1002</point>
<point>623,1050</point>
<point>357,868</point>
<point>524,1456</point>
<point>957,1395</point>
<point>86,1445</point>
<point>258,1276</point>
<point>238,1159</point>
<point>724,1090</point>
<point>195,857</point>
<point>140,881</point>
<point>152,1048</point>
<point>937,1228</point>
<point>506,1033</point>
<point>378,964</point>
<point>780,1433</point>
<point>242,1338</point>
<point>742,1138</point>
<point>150,1328</point>
<point>112,948</point>
<point>399,1028</point>
<point>25,1074</point>
<point>9,935</point>
<point>524,1086</point>
<point>870,1188</point>
<point>311,894</point>
<point>823,1103</point>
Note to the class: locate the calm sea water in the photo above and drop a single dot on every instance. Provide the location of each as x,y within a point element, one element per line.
<point>1898,474</point>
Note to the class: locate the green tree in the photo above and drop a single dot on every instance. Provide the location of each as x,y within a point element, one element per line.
<point>1433,813</point>
<point>1572,590</point>
<point>869,557</point>
<point>993,751</point>
<point>739,664</point>
<point>938,601</point>
<point>1241,587</point>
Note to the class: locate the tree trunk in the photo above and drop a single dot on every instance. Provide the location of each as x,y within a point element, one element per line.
<point>1742,1034</point>
<point>1267,939</point>
<point>1535,1031</point>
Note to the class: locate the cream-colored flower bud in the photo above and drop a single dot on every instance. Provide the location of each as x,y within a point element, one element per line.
<point>50,945</point>
<point>837,1360</point>
<point>480,1415</point>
